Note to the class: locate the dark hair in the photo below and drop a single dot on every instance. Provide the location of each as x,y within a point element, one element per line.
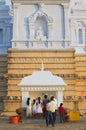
<point>28,101</point>
<point>61,104</point>
<point>34,101</point>
<point>39,100</point>
<point>52,97</point>
<point>45,96</point>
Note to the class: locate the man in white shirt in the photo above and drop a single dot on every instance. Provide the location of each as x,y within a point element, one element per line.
<point>54,104</point>
<point>49,116</point>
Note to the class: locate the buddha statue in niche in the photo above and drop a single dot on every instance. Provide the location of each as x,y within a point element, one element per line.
<point>40,34</point>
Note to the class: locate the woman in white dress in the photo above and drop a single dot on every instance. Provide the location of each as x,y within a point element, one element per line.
<point>28,110</point>
<point>39,105</point>
<point>34,111</point>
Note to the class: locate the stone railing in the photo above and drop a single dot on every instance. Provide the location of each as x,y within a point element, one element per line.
<point>40,44</point>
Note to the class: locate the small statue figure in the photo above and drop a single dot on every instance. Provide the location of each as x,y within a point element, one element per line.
<point>40,34</point>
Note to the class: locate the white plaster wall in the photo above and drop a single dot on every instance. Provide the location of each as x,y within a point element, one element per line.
<point>24,11</point>
<point>78,20</point>
<point>55,12</point>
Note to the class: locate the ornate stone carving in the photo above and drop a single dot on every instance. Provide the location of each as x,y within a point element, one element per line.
<point>40,35</point>
<point>37,33</point>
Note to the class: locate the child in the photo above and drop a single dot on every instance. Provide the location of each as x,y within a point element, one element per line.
<point>61,112</point>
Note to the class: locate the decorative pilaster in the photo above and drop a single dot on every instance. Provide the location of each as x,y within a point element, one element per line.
<point>73,34</point>
<point>15,21</point>
<point>66,6</point>
<point>59,97</point>
<point>84,37</point>
<point>50,28</point>
<point>31,25</point>
<point>25,95</point>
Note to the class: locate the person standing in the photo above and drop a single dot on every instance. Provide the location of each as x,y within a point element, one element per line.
<point>45,101</point>
<point>49,115</point>
<point>53,108</point>
<point>34,107</point>
<point>28,110</point>
<point>61,112</point>
<point>39,107</point>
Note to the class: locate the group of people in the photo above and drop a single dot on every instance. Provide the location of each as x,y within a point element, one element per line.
<point>37,106</point>
<point>47,107</point>
<point>51,108</point>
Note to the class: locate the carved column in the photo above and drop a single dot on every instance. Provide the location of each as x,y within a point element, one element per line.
<point>59,97</point>
<point>50,28</point>
<point>31,26</point>
<point>66,6</point>
<point>84,36</point>
<point>73,34</point>
<point>25,95</point>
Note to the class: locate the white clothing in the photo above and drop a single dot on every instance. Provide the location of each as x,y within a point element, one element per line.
<point>53,105</point>
<point>39,108</point>
<point>56,103</point>
<point>34,111</point>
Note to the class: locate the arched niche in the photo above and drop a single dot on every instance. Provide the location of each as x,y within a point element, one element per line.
<point>41,25</point>
<point>40,19</point>
<point>80,36</point>
<point>81,32</point>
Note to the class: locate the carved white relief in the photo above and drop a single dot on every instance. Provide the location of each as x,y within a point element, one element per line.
<point>40,25</point>
<point>40,35</point>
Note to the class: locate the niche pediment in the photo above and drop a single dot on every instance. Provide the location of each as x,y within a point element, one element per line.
<point>39,13</point>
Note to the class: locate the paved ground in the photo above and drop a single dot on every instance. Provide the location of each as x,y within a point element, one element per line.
<point>39,124</point>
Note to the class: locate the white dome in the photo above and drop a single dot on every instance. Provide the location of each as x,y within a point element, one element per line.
<point>42,78</point>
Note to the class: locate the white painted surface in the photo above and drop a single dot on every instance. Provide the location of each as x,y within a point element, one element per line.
<point>25,95</point>
<point>60,97</point>
<point>42,78</point>
<point>67,19</point>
